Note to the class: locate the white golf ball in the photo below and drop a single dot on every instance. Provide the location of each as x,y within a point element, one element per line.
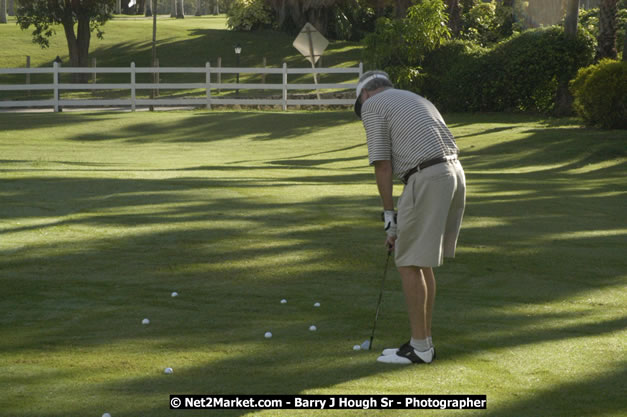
<point>284,301</point>
<point>313,328</point>
<point>175,294</point>
<point>106,415</point>
<point>168,371</point>
<point>356,347</point>
<point>317,305</point>
<point>145,321</point>
<point>268,335</point>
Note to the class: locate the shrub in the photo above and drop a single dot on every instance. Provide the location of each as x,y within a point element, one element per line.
<point>520,73</point>
<point>247,15</point>
<point>451,71</point>
<point>600,93</point>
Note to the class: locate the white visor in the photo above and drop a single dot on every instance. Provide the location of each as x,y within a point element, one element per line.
<point>361,86</point>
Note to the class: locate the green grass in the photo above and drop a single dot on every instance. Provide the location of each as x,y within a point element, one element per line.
<point>103,215</point>
<point>190,42</point>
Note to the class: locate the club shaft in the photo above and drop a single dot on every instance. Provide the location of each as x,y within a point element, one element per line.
<point>376,316</point>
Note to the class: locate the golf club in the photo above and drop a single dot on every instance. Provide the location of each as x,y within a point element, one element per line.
<point>376,316</point>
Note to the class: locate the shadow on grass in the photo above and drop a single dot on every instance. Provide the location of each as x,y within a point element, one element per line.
<point>210,127</point>
<point>235,253</point>
<point>573,398</point>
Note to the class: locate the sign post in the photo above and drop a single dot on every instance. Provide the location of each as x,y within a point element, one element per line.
<point>311,44</point>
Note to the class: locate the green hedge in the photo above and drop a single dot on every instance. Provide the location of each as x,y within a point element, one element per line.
<point>600,93</point>
<point>522,72</point>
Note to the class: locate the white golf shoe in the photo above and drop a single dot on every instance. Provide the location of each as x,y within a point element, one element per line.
<point>406,355</point>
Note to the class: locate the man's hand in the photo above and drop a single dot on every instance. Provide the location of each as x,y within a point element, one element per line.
<point>389,225</point>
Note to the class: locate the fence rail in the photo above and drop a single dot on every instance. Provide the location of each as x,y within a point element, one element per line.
<point>210,99</point>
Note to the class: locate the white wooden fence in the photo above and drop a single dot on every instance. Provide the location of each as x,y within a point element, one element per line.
<point>209,100</point>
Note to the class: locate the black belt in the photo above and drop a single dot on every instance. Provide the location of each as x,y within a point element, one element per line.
<point>427,164</point>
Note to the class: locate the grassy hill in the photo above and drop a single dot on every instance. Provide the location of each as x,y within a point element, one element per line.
<point>188,42</point>
<point>191,42</point>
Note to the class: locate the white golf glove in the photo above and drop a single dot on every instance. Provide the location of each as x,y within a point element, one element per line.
<point>389,222</point>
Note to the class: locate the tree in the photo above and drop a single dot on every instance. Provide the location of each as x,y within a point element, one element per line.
<point>572,18</point>
<point>3,11</point>
<point>317,12</point>
<point>180,9</point>
<point>79,19</point>
<point>607,30</point>
<point>564,99</point>
<point>401,8</point>
<point>173,8</point>
<point>454,11</point>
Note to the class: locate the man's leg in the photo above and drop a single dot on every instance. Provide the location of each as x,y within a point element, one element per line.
<point>430,283</point>
<point>415,288</point>
<point>418,283</point>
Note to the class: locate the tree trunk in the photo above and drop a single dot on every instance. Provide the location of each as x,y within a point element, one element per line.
<point>180,11</point>
<point>572,17</point>
<point>401,8</point>
<point>11,9</point>
<point>140,6</point>
<point>455,17</point>
<point>564,99</point>
<point>3,11</point>
<point>379,9</point>
<point>173,8</point>
<point>78,45</point>
<point>148,8</point>
<point>198,8</point>
<point>606,47</point>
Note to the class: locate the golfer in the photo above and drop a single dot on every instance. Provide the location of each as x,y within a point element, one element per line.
<point>408,138</point>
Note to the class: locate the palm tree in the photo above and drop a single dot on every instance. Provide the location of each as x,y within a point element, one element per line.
<point>564,99</point>
<point>3,11</point>
<point>401,8</point>
<point>303,11</point>
<point>572,17</point>
<point>607,30</point>
<point>454,11</point>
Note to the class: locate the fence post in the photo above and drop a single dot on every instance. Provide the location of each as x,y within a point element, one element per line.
<point>219,73</point>
<point>55,88</point>
<point>133,86</point>
<point>263,76</point>
<point>28,73</point>
<point>208,82</point>
<point>157,76</point>
<point>93,64</point>
<point>284,86</point>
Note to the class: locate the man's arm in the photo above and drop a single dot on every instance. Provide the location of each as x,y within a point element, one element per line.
<point>383,173</point>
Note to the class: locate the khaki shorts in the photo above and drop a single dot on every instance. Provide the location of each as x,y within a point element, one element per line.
<point>430,212</point>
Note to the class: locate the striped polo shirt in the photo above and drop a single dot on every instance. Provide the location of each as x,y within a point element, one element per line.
<point>406,129</point>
